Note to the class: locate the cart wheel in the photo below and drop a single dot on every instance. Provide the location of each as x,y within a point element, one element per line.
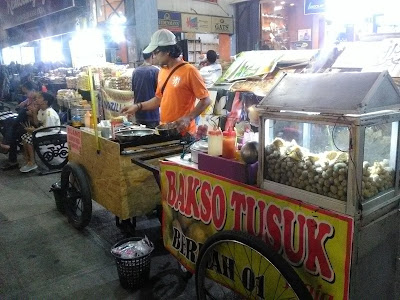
<point>78,197</point>
<point>257,271</point>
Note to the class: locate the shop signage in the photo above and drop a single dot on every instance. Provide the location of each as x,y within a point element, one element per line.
<point>317,243</point>
<point>16,12</point>
<point>314,6</point>
<point>196,23</point>
<point>74,139</point>
<point>222,25</point>
<point>170,20</point>
<point>300,45</point>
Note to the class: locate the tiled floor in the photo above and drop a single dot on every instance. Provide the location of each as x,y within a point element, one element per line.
<point>44,257</point>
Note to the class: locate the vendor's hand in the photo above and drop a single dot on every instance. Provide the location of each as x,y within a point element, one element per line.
<point>182,124</point>
<point>129,110</point>
<point>30,129</point>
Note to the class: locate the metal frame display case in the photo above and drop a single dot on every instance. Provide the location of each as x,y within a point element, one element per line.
<point>332,140</point>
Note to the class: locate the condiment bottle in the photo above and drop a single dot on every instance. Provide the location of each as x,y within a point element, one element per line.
<point>229,144</point>
<point>215,142</point>
<point>88,116</point>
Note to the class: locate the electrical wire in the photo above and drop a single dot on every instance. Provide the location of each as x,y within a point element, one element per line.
<point>359,197</point>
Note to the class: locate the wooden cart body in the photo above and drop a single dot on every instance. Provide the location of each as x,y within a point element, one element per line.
<point>121,187</point>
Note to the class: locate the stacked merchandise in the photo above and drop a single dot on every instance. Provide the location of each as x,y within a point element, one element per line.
<point>72,82</point>
<point>123,83</point>
<point>83,81</point>
<point>58,76</point>
<point>115,83</point>
<point>68,98</point>
<point>106,73</point>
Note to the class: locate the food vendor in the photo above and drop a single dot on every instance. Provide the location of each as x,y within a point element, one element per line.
<point>179,84</point>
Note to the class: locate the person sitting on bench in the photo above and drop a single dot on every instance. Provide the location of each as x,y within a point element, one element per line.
<point>45,117</point>
<point>14,130</point>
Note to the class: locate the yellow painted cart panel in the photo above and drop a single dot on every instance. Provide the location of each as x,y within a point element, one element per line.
<point>117,184</point>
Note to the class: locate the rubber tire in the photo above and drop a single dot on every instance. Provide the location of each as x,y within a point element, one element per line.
<point>81,177</point>
<point>283,267</point>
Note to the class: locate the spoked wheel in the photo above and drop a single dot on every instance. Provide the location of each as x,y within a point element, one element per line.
<point>234,265</point>
<point>78,197</point>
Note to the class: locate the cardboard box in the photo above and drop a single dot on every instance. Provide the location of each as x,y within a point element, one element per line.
<point>228,168</point>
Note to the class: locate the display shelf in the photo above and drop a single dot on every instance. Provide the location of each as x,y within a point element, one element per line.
<point>194,50</point>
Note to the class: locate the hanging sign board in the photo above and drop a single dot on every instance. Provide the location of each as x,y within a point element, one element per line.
<point>17,12</point>
<point>74,139</point>
<point>314,7</point>
<point>222,25</point>
<point>196,23</point>
<point>170,20</point>
<point>114,101</point>
<point>315,241</point>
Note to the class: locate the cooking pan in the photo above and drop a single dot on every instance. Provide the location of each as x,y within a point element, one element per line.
<point>131,135</point>
<point>167,130</point>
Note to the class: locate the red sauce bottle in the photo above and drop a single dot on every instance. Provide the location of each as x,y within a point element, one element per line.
<point>229,144</point>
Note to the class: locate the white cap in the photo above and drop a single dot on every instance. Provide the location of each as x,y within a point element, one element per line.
<point>162,37</point>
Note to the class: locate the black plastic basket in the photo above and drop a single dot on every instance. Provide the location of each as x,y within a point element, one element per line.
<point>132,272</point>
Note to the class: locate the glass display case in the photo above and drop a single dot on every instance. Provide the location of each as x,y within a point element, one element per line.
<point>331,139</point>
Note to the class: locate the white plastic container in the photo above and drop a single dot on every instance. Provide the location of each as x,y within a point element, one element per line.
<point>200,146</point>
<point>215,142</point>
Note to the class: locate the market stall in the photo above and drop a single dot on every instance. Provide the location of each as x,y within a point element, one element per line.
<point>248,80</point>
<point>111,85</point>
<point>100,154</point>
<point>326,205</point>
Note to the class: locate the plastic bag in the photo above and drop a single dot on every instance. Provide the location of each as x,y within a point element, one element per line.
<point>133,249</point>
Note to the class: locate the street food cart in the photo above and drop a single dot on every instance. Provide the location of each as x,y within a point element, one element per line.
<point>323,222</point>
<point>100,169</point>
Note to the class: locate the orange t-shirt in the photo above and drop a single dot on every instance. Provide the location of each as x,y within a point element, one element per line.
<point>180,93</point>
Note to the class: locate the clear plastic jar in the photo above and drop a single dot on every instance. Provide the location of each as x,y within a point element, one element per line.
<point>215,142</point>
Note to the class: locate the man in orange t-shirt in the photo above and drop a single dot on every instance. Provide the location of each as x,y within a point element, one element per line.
<point>177,100</point>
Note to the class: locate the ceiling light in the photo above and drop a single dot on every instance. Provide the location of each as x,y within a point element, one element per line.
<point>278,7</point>
<point>283,2</point>
<point>291,4</point>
